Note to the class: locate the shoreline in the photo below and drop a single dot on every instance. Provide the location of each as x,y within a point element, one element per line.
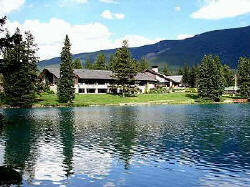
<point>122,104</point>
<point>50,100</point>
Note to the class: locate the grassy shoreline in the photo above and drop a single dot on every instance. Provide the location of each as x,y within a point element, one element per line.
<point>50,100</point>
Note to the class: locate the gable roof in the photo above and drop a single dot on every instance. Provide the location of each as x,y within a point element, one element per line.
<point>99,74</point>
<point>93,74</point>
<point>175,78</point>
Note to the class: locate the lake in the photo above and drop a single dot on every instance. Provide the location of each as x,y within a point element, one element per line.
<point>159,145</point>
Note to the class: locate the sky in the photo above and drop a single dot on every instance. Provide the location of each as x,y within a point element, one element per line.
<point>102,24</point>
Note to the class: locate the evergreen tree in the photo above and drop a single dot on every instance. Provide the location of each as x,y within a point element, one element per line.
<point>125,68</point>
<point>111,63</point>
<point>20,70</point>
<point>180,71</point>
<point>88,64</point>
<point>77,63</point>
<point>100,63</point>
<point>244,77</point>
<point>66,90</point>
<point>143,65</point>
<point>210,78</point>
<point>193,77</point>
<point>186,75</point>
<point>165,70</point>
<point>228,75</point>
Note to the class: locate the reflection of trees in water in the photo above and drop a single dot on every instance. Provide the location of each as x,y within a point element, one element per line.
<point>20,148</point>
<point>66,117</point>
<point>124,133</point>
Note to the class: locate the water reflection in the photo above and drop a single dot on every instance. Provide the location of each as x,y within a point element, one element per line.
<point>157,145</point>
<point>66,121</point>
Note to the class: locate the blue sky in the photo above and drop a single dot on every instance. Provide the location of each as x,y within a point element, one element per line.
<point>101,24</point>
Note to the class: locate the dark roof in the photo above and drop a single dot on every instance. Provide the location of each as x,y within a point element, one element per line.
<point>100,74</point>
<point>175,78</point>
<point>54,71</point>
<point>93,74</point>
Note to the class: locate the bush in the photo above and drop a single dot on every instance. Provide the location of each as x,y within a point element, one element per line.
<point>159,91</point>
<point>191,90</point>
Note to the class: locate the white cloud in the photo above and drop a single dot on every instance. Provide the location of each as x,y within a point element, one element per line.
<point>184,36</point>
<point>9,5</point>
<point>109,1</point>
<point>119,16</point>
<point>136,40</point>
<point>107,14</point>
<point>84,38</point>
<point>177,8</point>
<point>80,1</point>
<point>219,9</point>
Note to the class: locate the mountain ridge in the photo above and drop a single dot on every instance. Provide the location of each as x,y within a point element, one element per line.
<point>228,44</point>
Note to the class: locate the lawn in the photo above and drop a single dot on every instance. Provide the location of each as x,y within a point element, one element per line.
<point>107,99</point>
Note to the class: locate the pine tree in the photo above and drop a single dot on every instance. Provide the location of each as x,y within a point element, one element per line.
<point>228,75</point>
<point>143,65</point>
<point>210,78</point>
<point>100,63</point>
<point>125,68</point>
<point>88,64</point>
<point>77,64</point>
<point>244,77</point>
<point>165,70</point>
<point>193,77</point>
<point>111,63</point>
<point>186,75</point>
<point>66,90</point>
<point>20,71</point>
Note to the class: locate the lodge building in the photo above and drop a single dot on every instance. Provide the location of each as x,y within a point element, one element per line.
<point>102,81</point>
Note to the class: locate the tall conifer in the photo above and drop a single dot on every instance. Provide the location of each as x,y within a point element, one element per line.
<point>125,68</point>
<point>20,71</point>
<point>244,77</point>
<point>210,78</point>
<point>100,63</point>
<point>66,90</point>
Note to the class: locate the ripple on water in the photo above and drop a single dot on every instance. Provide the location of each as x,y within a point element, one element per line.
<point>178,145</point>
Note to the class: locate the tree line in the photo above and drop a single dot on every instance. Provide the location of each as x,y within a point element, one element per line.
<point>102,62</point>
<point>211,77</point>
<point>21,83</point>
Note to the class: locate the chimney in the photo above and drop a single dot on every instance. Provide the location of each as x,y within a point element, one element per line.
<point>155,69</point>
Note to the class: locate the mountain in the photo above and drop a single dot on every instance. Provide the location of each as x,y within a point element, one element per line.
<point>229,44</point>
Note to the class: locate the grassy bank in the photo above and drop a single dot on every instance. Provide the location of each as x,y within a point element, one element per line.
<point>46,100</point>
<point>88,100</point>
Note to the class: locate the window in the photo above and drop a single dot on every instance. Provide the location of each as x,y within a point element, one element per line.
<point>90,90</point>
<point>81,90</point>
<point>102,91</point>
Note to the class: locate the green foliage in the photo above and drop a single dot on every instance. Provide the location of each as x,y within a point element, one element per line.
<point>143,65</point>
<point>125,68</point>
<point>244,77</point>
<point>186,75</point>
<point>66,90</point>
<point>77,64</point>
<point>228,75</point>
<point>210,78</point>
<point>160,90</point>
<point>111,63</point>
<point>100,63</point>
<point>88,64</point>
<point>193,76</point>
<point>20,71</point>
<point>191,90</point>
<point>165,70</point>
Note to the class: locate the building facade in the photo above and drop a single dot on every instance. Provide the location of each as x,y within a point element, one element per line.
<point>103,81</point>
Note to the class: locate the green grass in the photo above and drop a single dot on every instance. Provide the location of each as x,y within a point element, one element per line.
<point>107,99</point>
